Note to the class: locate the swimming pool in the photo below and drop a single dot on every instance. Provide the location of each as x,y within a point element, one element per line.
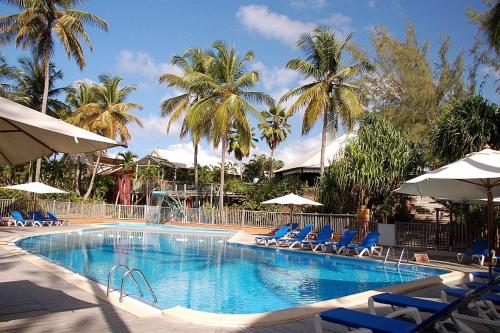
<point>204,272</point>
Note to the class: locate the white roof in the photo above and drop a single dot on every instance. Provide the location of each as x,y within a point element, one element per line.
<point>311,162</point>
<point>35,187</point>
<point>292,199</point>
<point>26,134</point>
<point>462,180</point>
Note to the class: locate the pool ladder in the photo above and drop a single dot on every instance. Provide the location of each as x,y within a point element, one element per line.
<point>129,272</point>
<point>404,251</point>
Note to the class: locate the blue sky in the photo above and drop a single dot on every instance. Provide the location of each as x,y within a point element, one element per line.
<point>145,34</point>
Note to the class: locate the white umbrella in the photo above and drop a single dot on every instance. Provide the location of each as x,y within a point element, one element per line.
<point>474,177</point>
<point>26,134</point>
<point>35,187</point>
<point>291,200</point>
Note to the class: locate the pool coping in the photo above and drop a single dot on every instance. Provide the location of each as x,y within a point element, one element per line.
<point>142,309</point>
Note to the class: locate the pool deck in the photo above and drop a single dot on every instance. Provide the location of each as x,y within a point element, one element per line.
<point>35,300</point>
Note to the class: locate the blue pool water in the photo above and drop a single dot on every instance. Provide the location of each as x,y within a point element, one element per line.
<point>202,271</point>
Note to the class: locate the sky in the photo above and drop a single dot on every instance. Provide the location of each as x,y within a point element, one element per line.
<point>143,36</point>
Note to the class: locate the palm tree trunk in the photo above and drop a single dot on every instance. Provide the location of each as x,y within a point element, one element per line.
<point>323,144</point>
<point>272,164</point>
<point>195,165</point>
<point>77,175</point>
<point>44,101</point>
<point>222,171</point>
<point>91,185</point>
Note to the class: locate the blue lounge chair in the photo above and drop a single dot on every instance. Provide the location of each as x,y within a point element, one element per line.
<point>345,240</point>
<point>368,245</point>
<point>292,241</point>
<point>281,232</point>
<point>377,324</point>
<point>21,221</point>
<point>323,236</point>
<point>479,251</point>
<point>56,220</point>
<point>38,216</point>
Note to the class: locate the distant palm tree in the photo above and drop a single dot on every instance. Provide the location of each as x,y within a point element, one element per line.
<point>328,94</point>
<point>37,26</point>
<point>193,60</point>
<point>5,76</point>
<point>274,129</point>
<point>28,86</point>
<point>226,101</point>
<point>240,151</point>
<point>108,114</point>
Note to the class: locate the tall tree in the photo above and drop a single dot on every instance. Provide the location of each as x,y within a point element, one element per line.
<point>108,114</point>
<point>5,75</point>
<point>39,24</point>
<point>328,95</point>
<point>274,129</point>
<point>405,86</point>
<point>28,86</point>
<point>227,101</point>
<point>193,60</point>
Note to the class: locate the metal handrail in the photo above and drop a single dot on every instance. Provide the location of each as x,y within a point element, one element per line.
<point>130,272</point>
<point>403,252</point>
<point>128,269</point>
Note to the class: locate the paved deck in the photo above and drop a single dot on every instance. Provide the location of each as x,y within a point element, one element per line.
<point>33,300</point>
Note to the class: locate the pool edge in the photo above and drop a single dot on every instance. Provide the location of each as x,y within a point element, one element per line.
<point>142,309</point>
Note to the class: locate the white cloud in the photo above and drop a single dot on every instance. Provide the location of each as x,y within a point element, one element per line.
<point>278,26</point>
<point>183,153</point>
<point>275,77</point>
<point>141,63</point>
<point>308,4</point>
<point>272,25</point>
<point>154,127</point>
<point>292,150</point>
<point>372,3</point>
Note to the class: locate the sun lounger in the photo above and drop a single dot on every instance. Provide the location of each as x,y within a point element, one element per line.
<point>292,241</point>
<point>344,241</point>
<point>281,232</point>
<point>480,251</point>
<point>323,236</point>
<point>21,221</point>
<point>368,245</point>
<point>378,324</point>
<point>38,216</point>
<point>56,220</point>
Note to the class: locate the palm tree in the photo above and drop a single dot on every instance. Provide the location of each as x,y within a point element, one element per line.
<point>128,159</point>
<point>28,86</point>
<point>108,114</point>
<point>226,101</point>
<point>274,129</point>
<point>327,93</point>
<point>39,24</point>
<point>193,60</point>
<point>5,75</point>
<point>240,151</point>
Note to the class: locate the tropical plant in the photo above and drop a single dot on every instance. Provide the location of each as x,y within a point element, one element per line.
<point>327,95</point>
<point>240,151</point>
<point>127,161</point>
<point>5,76</point>
<point>193,60</point>
<point>28,86</point>
<point>274,129</point>
<point>258,167</point>
<point>39,24</point>
<point>226,101</point>
<point>404,85</point>
<point>148,175</point>
<point>108,114</point>
<point>468,126</point>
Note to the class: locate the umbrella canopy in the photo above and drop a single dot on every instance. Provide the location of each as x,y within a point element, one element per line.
<point>35,187</point>
<point>474,177</point>
<point>26,134</point>
<point>291,199</point>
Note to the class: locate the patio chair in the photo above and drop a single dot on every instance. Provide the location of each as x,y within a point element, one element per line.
<point>378,324</point>
<point>323,236</point>
<point>38,216</point>
<point>484,275</point>
<point>21,221</point>
<point>56,220</point>
<point>281,232</point>
<point>292,241</point>
<point>345,240</point>
<point>479,251</point>
<point>368,246</point>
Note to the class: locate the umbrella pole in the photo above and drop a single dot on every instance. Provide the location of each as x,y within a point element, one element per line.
<point>291,215</point>
<point>491,244</point>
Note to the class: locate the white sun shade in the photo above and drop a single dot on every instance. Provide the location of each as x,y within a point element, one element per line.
<point>26,134</point>
<point>35,187</point>
<point>292,199</point>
